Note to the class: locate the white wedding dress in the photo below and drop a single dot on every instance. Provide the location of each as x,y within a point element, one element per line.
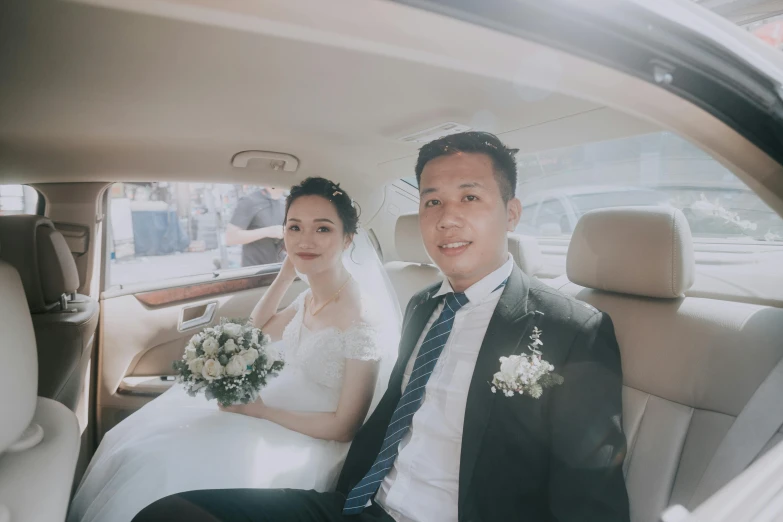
<point>179,443</point>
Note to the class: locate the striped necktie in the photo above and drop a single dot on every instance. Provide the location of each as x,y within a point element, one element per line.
<point>407,406</point>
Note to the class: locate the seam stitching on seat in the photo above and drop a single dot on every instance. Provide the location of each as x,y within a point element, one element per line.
<point>638,430</point>
<point>679,456</point>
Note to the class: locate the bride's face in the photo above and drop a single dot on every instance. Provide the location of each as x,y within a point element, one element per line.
<point>314,236</point>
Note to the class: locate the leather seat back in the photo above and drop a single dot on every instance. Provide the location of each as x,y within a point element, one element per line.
<point>19,370</point>
<point>417,271</point>
<point>64,337</point>
<point>39,438</point>
<point>689,364</point>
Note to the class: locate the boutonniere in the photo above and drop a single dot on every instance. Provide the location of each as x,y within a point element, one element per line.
<point>526,373</point>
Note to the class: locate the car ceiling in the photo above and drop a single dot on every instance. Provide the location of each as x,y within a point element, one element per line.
<point>91,93</point>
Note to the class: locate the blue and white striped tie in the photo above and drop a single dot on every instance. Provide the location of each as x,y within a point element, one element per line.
<point>407,406</point>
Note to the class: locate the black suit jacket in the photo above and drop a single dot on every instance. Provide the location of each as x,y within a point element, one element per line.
<point>556,458</point>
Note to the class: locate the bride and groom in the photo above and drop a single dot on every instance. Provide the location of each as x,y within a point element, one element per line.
<point>448,439</point>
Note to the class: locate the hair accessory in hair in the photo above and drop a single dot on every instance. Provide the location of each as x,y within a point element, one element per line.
<point>336,193</point>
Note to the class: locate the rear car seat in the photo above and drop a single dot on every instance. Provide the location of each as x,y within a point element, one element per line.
<point>689,364</point>
<point>416,271</point>
<point>64,321</point>
<point>39,438</point>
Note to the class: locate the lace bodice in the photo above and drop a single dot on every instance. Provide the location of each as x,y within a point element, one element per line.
<point>321,354</point>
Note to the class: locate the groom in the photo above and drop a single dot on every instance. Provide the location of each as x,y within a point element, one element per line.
<point>444,444</point>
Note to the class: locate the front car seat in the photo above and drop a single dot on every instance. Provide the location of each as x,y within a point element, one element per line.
<point>39,438</point>
<point>64,322</point>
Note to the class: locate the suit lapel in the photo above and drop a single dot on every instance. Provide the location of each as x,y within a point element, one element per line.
<point>505,332</point>
<point>419,316</point>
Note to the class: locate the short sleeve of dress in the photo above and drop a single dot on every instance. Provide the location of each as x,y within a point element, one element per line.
<point>361,342</point>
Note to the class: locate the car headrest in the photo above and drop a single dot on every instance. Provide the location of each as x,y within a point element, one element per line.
<point>408,241</point>
<point>19,370</point>
<point>42,258</point>
<point>646,251</point>
<point>526,253</point>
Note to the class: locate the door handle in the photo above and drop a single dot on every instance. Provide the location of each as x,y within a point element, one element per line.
<point>205,317</point>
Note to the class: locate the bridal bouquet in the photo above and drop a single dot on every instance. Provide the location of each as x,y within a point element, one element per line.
<point>229,362</point>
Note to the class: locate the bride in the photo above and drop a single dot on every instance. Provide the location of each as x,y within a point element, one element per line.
<point>339,341</point>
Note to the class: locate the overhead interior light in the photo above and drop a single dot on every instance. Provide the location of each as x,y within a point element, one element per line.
<point>433,133</point>
<point>275,160</point>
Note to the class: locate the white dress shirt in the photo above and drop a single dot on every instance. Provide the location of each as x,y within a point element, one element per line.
<point>423,484</point>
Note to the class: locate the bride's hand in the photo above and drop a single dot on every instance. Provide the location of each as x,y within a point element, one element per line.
<point>287,271</point>
<point>253,409</point>
<point>234,408</point>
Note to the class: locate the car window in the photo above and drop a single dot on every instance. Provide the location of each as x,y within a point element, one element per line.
<point>411,180</point>
<point>617,198</point>
<point>552,219</point>
<point>161,231</point>
<point>651,169</point>
<point>18,199</point>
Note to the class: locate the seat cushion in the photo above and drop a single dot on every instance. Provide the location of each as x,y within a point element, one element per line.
<point>689,367</point>
<point>409,278</point>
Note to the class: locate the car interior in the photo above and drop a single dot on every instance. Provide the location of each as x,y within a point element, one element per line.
<point>102,95</point>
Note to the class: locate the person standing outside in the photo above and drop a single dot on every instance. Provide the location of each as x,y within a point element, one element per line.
<point>257,225</point>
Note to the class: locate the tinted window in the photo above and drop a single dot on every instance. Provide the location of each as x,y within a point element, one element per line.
<point>162,231</point>
<point>552,219</point>
<point>18,199</point>
<point>651,169</point>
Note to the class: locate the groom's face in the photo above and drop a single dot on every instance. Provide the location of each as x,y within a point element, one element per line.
<point>463,218</point>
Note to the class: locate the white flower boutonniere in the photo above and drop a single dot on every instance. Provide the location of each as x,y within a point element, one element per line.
<point>526,373</point>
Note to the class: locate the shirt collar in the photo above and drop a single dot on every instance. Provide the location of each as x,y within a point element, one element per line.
<point>483,288</point>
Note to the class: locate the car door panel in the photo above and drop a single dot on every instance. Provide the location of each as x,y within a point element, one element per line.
<point>143,334</point>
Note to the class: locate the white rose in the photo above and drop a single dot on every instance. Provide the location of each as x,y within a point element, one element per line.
<point>236,366</point>
<point>190,352</point>
<point>232,329</point>
<point>249,356</point>
<point>212,370</point>
<point>210,346</point>
<point>510,367</point>
<point>196,365</point>
<point>272,356</point>
<point>230,346</point>
<point>195,339</point>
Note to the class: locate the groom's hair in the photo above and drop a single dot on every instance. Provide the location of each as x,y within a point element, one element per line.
<point>503,162</point>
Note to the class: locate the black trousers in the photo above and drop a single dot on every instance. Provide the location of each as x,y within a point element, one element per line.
<point>255,505</point>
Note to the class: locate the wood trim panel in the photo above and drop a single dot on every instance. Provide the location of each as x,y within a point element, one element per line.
<point>170,296</point>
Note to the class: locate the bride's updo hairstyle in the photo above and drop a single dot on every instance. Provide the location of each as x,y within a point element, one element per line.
<point>346,208</point>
